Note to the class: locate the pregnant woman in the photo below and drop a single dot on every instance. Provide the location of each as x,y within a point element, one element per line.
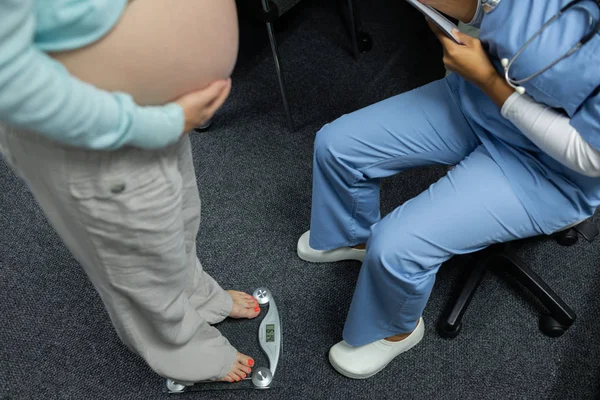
<point>95,96</point>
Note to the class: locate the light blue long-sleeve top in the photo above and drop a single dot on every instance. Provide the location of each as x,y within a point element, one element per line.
<point>38,94</point>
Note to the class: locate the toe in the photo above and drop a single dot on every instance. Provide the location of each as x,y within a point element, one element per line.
<point>227,378</point>
<point>252,311</point>
<point>239,375</point>
<point>239,372</point>
<point>244,305</point>
<point>245,360</point>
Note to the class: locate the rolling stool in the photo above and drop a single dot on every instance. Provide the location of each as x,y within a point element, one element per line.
<point>560,316</point>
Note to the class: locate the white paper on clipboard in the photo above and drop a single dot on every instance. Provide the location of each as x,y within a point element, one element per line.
<point>442,22</point>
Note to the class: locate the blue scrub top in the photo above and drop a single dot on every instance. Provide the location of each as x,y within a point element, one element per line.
<point>541,183</point>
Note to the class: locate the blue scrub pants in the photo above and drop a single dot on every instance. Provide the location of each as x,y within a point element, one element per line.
<point>470,208</point>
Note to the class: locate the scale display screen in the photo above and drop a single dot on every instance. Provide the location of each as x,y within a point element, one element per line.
<point>270,332</point>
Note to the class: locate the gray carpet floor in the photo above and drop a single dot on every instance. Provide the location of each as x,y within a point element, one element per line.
<point>56,341</point>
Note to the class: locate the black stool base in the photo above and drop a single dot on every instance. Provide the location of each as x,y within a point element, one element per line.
<point>559,316</point>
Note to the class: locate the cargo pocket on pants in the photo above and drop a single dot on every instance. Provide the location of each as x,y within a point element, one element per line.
<point>132,213</point>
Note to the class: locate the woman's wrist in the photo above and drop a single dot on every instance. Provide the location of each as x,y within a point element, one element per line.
<point>496,88</point>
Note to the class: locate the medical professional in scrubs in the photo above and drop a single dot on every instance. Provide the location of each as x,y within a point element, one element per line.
<point>525,143</point>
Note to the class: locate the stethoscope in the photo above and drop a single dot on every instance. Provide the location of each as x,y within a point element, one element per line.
<point>506,63</point>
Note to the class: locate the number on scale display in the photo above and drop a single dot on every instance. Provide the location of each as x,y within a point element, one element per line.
<point>270,332</point>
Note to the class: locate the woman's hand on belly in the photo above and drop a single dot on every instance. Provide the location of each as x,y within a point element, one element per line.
<point>199,106</point>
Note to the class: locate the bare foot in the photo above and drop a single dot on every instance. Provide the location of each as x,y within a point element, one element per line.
<point>244,305</point>
<point>242,367</point>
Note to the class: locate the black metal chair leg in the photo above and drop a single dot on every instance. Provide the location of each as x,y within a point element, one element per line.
<point>588,230</point>
<point>353,33</point>
<point>271,31</point>
<point>561,315</point>
<point>451,325</point>
<point>361,41</point>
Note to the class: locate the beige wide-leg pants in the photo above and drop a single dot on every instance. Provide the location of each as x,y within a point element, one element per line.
<point>130,217</point>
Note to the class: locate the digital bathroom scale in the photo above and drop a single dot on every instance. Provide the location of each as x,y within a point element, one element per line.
<point>270,340</point>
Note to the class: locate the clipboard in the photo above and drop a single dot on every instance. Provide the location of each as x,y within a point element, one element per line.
<point>434,15</point>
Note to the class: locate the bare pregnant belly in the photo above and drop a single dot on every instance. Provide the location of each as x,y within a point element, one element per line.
<point>161,49</point>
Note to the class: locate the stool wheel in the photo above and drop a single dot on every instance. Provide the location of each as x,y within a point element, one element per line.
<point>551,327</point>
<point>450,331</point>
<point>567,238</point>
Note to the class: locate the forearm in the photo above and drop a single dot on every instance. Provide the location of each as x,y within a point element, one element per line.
<point>552,133</point>
<point>37,94</point>
<point>496,88</point>
<point>463,10</point>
